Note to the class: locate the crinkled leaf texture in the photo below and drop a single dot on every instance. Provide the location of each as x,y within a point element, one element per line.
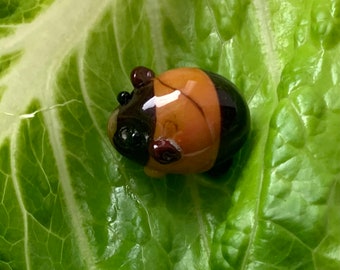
<point>69,201</point>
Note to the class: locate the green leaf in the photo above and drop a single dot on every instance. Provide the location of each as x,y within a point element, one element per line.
<point>68,200</point>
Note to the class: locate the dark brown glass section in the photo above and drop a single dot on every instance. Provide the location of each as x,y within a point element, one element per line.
<point>136,125</point>
<point>235,120</point>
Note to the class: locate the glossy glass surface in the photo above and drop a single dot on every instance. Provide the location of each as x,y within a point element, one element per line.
<point>185,120</point>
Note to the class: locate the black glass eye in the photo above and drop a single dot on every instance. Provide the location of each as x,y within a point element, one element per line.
<point>130,138</point>
<point>141,76</point>
<point>132,142</point>
<point>124,97</point>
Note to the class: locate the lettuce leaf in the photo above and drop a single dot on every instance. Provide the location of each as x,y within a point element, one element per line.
<point>68,200</point>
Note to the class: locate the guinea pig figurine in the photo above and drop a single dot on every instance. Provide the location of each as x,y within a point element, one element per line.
<point>186,120</point>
